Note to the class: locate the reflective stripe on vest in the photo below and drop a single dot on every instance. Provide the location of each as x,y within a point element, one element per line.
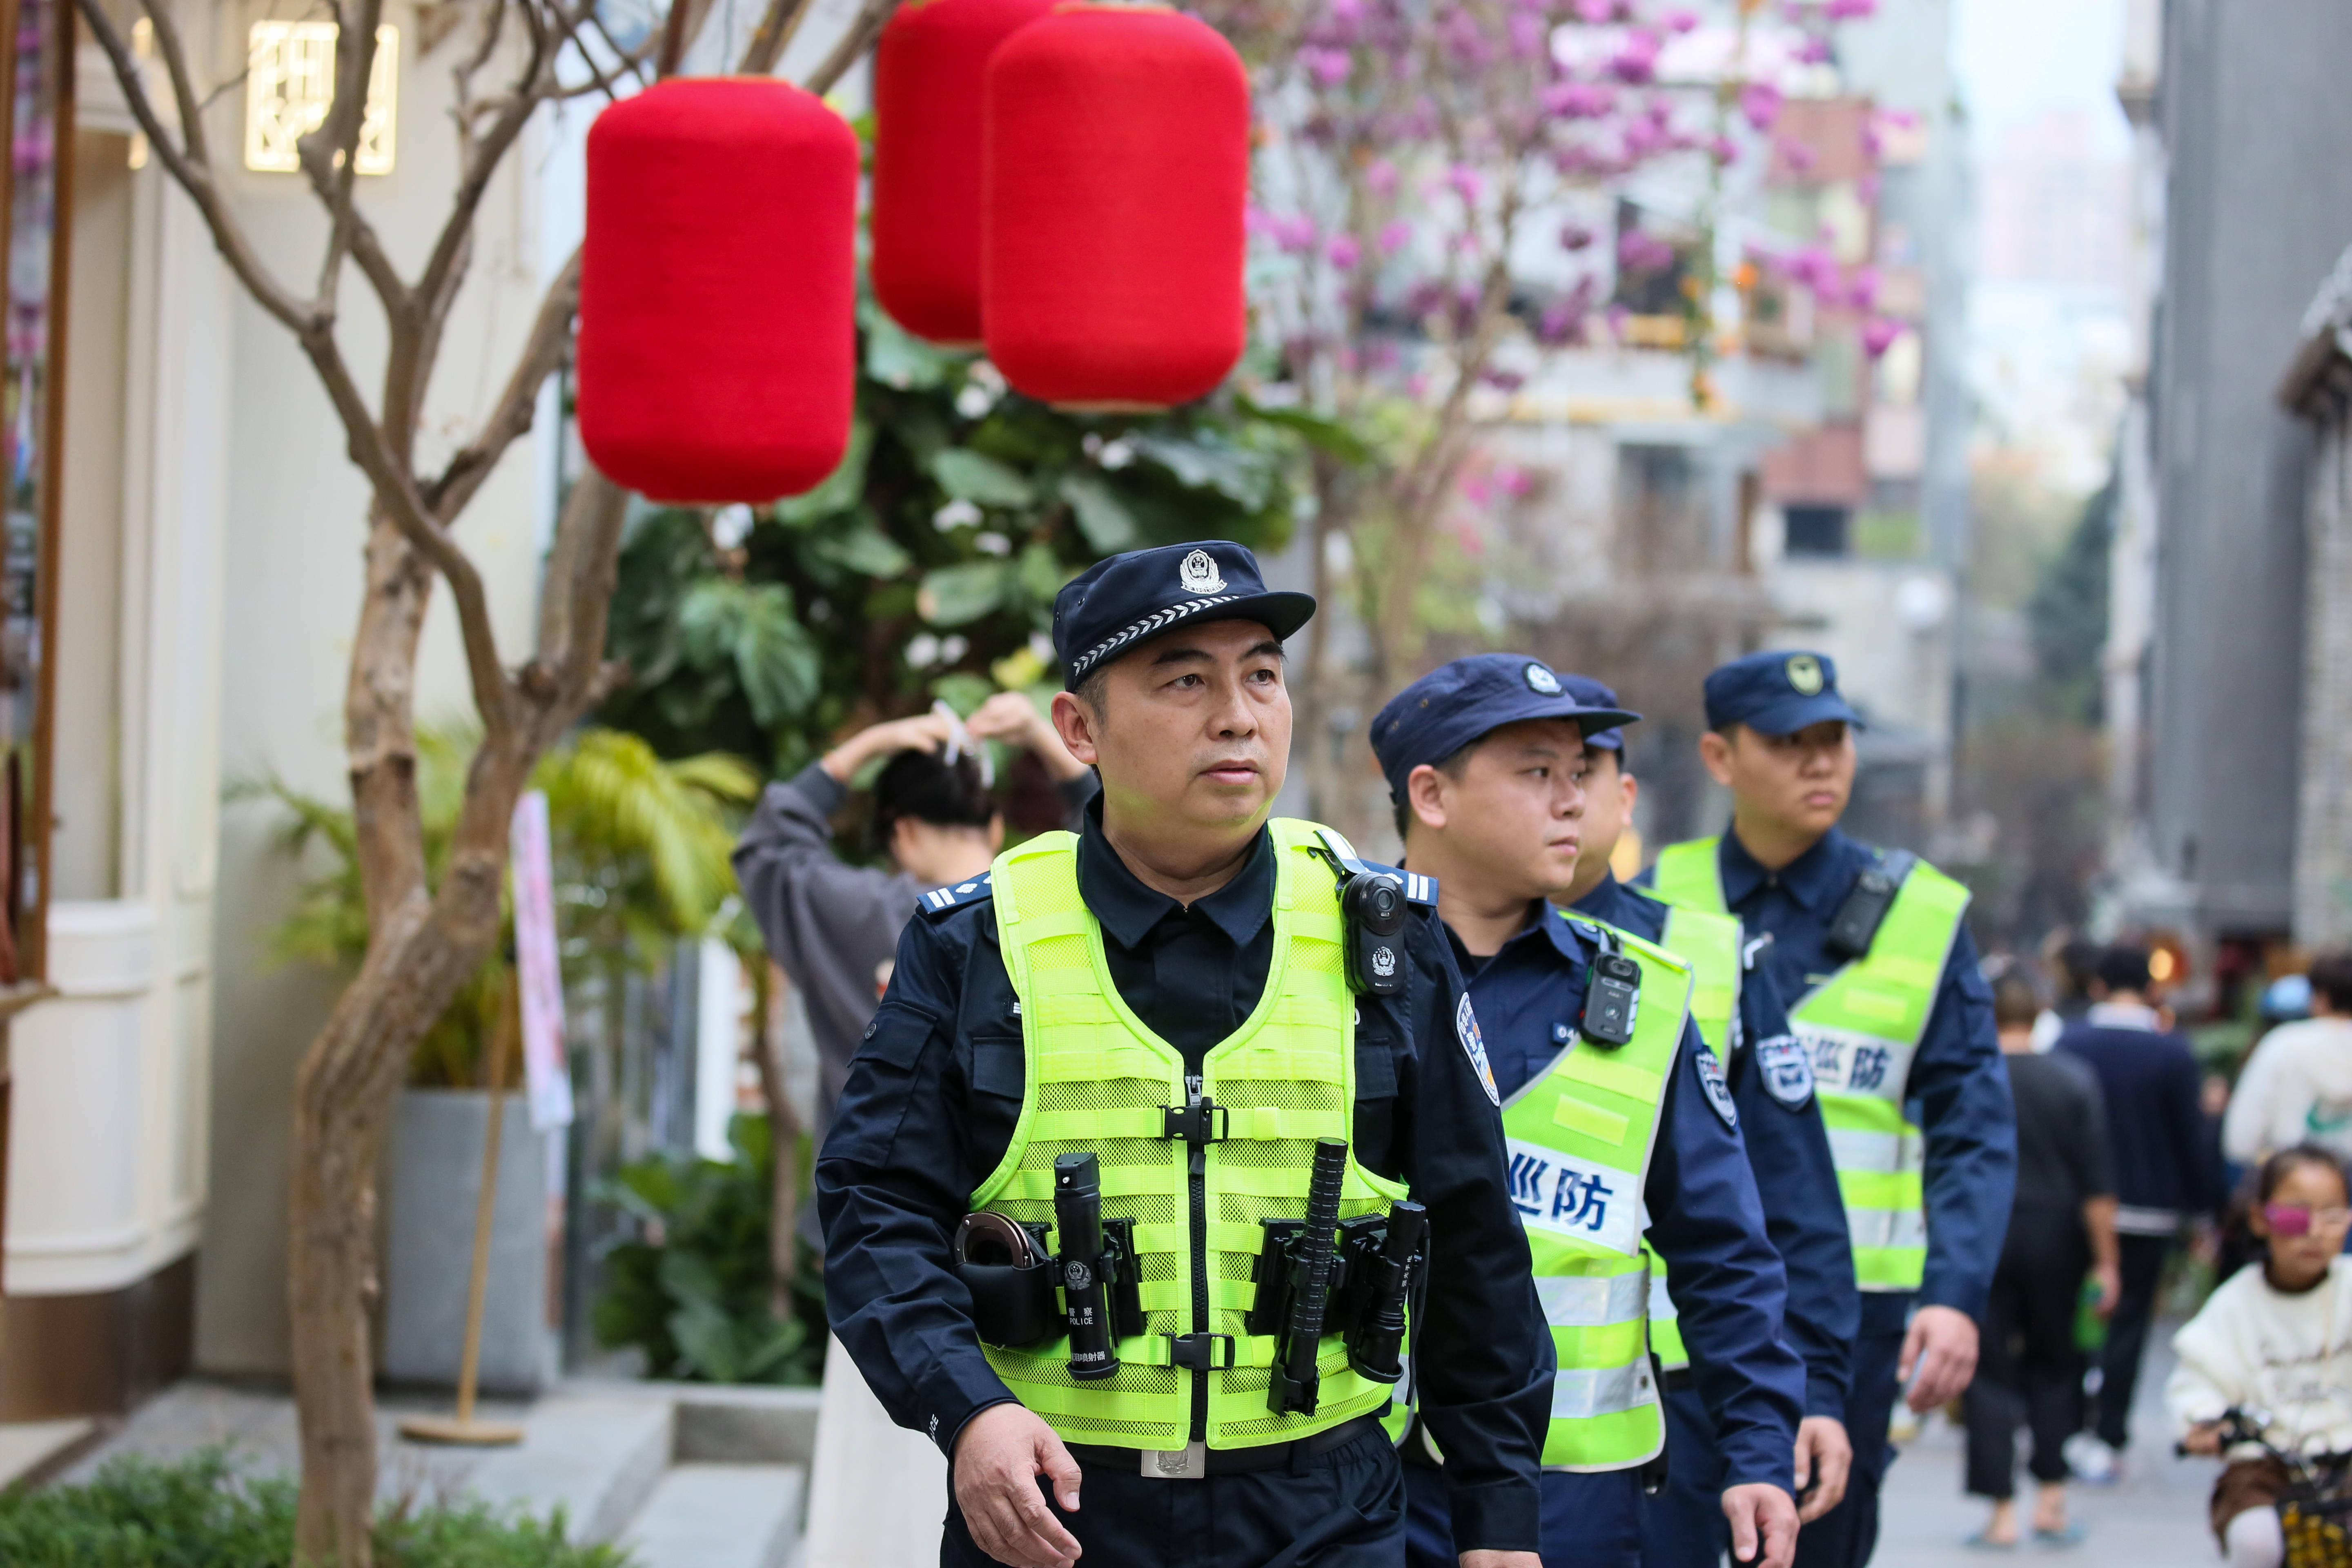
<point>1861,1027</point>
<point>1580,1134</point>
<point>1709,944</point>
<point>1096,1080</point>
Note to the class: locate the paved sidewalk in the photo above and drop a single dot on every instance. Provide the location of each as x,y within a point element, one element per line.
<point>2155,1518</point>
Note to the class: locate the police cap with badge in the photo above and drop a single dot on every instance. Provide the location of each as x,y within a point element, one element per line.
<point>1457,703</point>
<point>1778,692</point>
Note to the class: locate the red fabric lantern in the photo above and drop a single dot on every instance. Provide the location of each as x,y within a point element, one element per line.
<point>718,290</point>
<point>928,73</point>
<point>1116,176</point>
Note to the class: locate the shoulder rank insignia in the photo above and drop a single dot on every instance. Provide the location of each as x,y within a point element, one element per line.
<point>1418,888</point>
<point>941,901</point>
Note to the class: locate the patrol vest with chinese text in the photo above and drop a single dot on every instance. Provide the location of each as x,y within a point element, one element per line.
<point>1861,1027</point>
<point>1097,1080</point>
<point>1581,1135</point>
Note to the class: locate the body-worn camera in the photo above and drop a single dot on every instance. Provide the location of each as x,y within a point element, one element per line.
<point>1858,917</point>
<point>1612,999</point>
<point>1372,906</point>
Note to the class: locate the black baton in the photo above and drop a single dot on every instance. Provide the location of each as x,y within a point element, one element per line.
<point>1297,1381</point>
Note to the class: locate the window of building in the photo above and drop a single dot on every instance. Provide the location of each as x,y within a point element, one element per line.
<point>1817,531</point>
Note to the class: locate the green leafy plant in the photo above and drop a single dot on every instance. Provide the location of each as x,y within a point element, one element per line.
<point>926,564</point>
<point>694,1292</point>
<point>640,850</point>
<point>204,1512</point>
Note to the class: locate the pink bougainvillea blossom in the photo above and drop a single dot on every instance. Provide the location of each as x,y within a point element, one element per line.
<point>1759,104</point>
<point>1878,334</point>
<point>1393,236</point>
<point>1343,252</point>
<point>1380,177</point>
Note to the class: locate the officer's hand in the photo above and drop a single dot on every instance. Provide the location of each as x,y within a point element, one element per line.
<point>1501,1560</point>
<point>999,1456</point>
<point>1763,1525</point>
<point>1823,1459</point>
<point>1942,1344</point>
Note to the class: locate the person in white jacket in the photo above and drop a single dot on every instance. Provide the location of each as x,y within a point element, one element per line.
<point>2298,1086</point>
<point>2273,1343</point>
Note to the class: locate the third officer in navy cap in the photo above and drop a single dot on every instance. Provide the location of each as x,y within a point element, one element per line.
<point>1735,1003</point>
<point>1617,1115</point>
<point>1160,1129</point>
<point>1888,1001</point>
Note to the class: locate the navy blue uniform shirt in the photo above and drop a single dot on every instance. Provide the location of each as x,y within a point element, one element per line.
<point>2161,1152</point>
<point>1789,1150</point>
<point>936,1088</point>
<point>1958,1089</point>
<point>1704,1218</point>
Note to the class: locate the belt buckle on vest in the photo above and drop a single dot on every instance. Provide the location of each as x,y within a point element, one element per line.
<point>1189,1463</point>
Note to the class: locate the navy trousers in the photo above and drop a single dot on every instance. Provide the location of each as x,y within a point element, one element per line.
<point>1341,1510</point>
<point>1846,1535</point>
<point>1683,1525</point>
<point>1588,1521</point>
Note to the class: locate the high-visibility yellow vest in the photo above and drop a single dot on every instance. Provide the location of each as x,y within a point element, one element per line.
<point>1097,1080</point>
<point>1709,944</point>
<point>1580,1134</point>
<point>1861,1027</point>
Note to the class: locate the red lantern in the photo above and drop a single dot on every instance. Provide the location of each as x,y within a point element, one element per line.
<point>1116,174</point>
<point>928,73</point>
<point>718,290</point>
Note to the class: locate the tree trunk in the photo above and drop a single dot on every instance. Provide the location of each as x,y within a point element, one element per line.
<point>422,946</point>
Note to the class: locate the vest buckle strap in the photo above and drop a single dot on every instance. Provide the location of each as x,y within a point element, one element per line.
<point>1201,1352</point>
<point>1203,1121</point>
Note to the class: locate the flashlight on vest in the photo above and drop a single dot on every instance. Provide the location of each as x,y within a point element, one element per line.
<point>1376,1344</point>
<point>1077,1216</point>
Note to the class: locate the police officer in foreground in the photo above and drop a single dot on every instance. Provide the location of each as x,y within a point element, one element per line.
<point>1887,997</point>
<point>1612,1103</point>
<point>1133,1062</point>
<point>1738,1009</point>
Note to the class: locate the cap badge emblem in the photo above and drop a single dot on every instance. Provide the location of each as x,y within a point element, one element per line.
<point>1199,573</point>
<point>1805,674</point>
<point>1542,680</point>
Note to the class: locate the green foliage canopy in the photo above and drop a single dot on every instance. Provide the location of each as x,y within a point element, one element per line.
<point>926,566</point>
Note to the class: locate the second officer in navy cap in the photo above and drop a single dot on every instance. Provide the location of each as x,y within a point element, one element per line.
<point>1614,1110</point>
<point>1886,996</point>
<point>1130,1099</point>
<point>1735,1003</point>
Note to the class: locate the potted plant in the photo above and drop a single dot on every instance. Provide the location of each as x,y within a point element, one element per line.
<point>640,850</point>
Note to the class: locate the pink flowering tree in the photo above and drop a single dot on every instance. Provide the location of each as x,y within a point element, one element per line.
<point>1434,213</point>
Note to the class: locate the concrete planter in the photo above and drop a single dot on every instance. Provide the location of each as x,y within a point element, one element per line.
<point>437,1170</point>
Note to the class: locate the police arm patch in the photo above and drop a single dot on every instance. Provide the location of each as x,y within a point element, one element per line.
<point>1788,1070</point>
<point>1474,1046</point>
<point>1719,1094</point>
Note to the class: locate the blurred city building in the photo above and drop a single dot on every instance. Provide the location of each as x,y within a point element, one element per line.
<point>1818,495</point>
<point>2242,112</point>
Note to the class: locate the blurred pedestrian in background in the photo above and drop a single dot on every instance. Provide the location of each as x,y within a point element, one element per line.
<point>2297,1084</point>
<point>2062,1226</point>
<point>2164,1173</point>
<point>2072,964</point>
<point>832,927</point>
<point>2269,1344</point>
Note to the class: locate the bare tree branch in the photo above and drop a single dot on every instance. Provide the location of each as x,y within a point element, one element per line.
<point>863,30</point>
<point>545,353</point>
<point>396,494</point>
<point>333,147</point>
<point>773,37</point>
<point>189,163</point>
